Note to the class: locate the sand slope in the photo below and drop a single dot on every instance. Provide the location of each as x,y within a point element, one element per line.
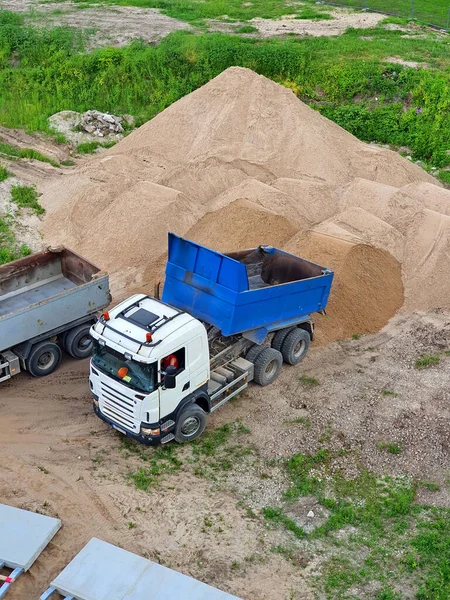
<point>241,162</point>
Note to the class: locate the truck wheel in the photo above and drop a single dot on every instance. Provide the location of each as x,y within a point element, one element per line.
<point>190,424</point>
<point>267,366</point>
<point>254,352</point>
<point>44,358</point>
<point>279,338</point>
<point>295,346</point>
<point>78,342</point>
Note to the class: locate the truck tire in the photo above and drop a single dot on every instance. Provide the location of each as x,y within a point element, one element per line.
<point>190,424</point>
<point>295,346</point>
<point>254,352</point>
<point>267,366</point>
<point>78,343</point>
<point>279,338</point>
<point>43,359</point>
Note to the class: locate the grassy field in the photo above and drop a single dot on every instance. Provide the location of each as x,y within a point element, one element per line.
<point>346,78</point>
<point>195,11</point>
<point>429,11</point>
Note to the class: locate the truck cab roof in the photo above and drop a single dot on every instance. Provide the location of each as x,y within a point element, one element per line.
<point>144,326</point>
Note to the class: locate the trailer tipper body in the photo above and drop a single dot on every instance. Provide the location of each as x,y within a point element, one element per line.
<point>160,367</point>
<point>48,302</point>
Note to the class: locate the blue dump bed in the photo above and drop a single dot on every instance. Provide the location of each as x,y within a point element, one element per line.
<point>251,291</point>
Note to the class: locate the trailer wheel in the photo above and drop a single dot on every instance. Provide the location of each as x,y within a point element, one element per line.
<point>267,366</point>
<point>190,424</point>
<point>44,358</point>
<point>78,342</point>
<point>279,338</point>
<point>295,346</point>
<point>254,352</point>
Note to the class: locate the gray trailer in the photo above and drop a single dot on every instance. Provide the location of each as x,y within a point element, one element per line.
<point>48,302</point>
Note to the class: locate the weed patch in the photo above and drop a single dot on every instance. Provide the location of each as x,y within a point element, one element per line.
<point>4,173</point>
<point>91,147</point>
<point>9,248</point>
<point>12,152</point>
<point>308,381</point>
<point>427,360</point>
<point>26,197</point>
<point>391,447</point>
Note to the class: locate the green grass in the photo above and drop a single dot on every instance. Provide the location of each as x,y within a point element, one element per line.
<point>246,29</point>
<point>308,13</point>
<point>26,197</point>
<point>389,393</point>
<point>339,76</point>
<point>9,248</point>
<point>4,173</point>
<point>196,11</point>
<point>308,381</point>
<point>427,360</point>
<point>391,447</point>
<point>91,147</point>
<point>444,176</point>
<point>390,538</point>
<point>12,152</point>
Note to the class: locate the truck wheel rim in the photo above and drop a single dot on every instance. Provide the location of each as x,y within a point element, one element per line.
<point>190,426</point>
<point>298,350</point>
<point>271,368</point>
<point>84,342</point>
<point>46,360</point>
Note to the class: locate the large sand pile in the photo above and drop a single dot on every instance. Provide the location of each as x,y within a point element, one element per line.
<point>242,162</point>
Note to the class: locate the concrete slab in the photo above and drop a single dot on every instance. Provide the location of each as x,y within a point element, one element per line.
<point>102,571</point>
<point>23,536</point>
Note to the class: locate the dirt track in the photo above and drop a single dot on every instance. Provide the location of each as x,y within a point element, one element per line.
<point>59,459</point>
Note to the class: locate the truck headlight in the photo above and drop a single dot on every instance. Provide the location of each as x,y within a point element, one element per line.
<point>148,431</point>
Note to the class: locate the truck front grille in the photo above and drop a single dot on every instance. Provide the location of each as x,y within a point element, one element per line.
<point>119,408</point>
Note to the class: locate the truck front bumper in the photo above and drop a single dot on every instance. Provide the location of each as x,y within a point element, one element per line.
<point>154,440</point>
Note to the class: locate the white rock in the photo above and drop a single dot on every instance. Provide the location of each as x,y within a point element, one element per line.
<point>310,515</point>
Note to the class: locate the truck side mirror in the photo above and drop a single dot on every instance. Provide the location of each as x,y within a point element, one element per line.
<point>170,378</point>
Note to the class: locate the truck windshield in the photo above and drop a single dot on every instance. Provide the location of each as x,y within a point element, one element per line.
<point>139,376</point>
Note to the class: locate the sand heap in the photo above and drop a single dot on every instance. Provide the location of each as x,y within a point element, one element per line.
<point>241,162</point>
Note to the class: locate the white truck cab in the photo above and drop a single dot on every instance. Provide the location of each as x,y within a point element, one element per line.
<point>128,375</point>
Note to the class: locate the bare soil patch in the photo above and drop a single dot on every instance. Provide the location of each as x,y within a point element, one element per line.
<point>59,459</point>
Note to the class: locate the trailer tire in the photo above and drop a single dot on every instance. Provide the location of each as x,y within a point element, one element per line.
<point>279,338</point>
<point>295,346</point>
<point>43,359</point>
<point>254,352</point>
<point>78,342</point>
<point>190,424</point>
<point>267,366</point>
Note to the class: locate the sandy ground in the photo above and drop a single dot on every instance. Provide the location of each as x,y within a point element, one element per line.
<point>115,26</point>
<point>59,459</point>
<point>342,20</point>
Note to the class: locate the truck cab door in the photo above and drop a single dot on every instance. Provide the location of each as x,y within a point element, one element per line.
<point>170,398</point>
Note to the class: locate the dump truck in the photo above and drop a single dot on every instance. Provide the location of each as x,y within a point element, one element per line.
<point>160,367</point>
<point>48,303</point>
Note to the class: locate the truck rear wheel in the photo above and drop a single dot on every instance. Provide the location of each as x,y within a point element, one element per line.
<point>295,346</point>
<point>254,352</point>
<point>78,342</point>
<point>190,424</point>
<point>267,366</point>
<point>44,358</point>
<point>279,338</point>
